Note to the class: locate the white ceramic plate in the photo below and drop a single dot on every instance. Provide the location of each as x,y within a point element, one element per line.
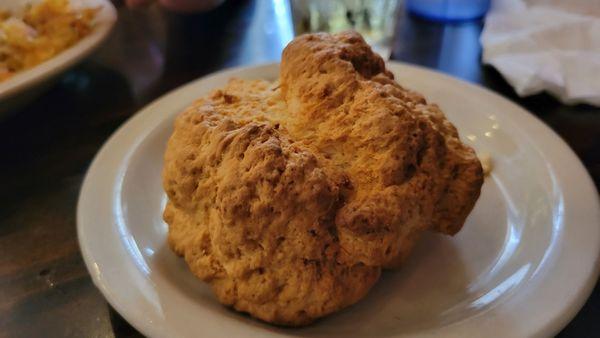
<point>22,86</point>
<point>523,265</point>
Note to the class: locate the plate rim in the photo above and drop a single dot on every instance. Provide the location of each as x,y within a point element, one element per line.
<point>552,325</point>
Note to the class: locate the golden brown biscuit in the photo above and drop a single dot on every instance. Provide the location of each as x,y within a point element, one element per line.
<point>290,198</point>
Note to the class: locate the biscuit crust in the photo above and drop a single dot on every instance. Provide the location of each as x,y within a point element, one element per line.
<point>289,198</point>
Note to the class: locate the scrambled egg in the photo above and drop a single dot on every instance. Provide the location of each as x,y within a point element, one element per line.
<point>41,32</point>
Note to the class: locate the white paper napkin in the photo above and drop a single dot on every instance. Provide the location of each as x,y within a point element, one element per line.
<point>551,45</point>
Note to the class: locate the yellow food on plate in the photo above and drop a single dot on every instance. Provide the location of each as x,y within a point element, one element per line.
<point>43,30</point>
<point>290,197</point>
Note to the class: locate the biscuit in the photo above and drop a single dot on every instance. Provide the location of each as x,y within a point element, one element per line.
<point>289,198</point>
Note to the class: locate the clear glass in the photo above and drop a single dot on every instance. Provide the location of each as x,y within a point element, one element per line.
<point>374,19</point>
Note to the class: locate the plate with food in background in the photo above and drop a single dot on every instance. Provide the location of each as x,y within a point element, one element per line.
<point>336,195</point>
<point>39,39</point>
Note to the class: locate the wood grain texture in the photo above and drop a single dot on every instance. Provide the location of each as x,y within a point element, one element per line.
<point>46,147</point>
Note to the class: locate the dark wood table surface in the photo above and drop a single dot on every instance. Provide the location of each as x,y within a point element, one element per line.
<point>46,147</point>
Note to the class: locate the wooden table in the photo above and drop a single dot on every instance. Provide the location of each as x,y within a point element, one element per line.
<point>45,148</point>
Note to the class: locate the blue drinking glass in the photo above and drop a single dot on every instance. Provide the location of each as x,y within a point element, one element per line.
<point>448,10</point>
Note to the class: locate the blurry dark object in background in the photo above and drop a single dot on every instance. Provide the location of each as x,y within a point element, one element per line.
<point>448,10</point>
<point>180,6</point>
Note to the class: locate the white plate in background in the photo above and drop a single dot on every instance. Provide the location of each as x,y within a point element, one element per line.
<point>23,86</point>
<point>523,265</point>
